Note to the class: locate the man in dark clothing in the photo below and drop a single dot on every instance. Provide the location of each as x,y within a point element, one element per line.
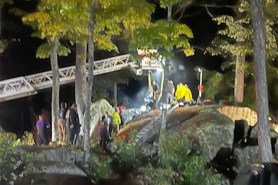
<point>74,126</point>
<point>104,134</point>
<point>170,92</point>
<point>155,94</point>
<point>42,126</point>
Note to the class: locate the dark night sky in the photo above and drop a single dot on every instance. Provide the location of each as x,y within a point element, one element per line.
<point>19,60</point>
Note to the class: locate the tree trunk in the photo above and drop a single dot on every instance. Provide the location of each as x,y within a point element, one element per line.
<point>115,94</point>
<point>239,79</point>
<point>259,42</point>
<point>91,48</point>
<point>81,82</point>
<point>55,86</point>
<point>165,71</point>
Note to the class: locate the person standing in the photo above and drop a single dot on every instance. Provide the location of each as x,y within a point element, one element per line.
<point>170,92</point>
<point>187,95</point>
<point>180,93</point>
<point>74,126</point>
<point>155,94</point>
<point>42,126</point>
<point>62,123</point>
<point>117,118</point>
<point>122,118</point>
<point>104,133</point>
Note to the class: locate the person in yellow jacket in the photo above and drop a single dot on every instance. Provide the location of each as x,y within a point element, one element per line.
<point>180,93</point>
<point>117,118</point>
<point>187,94</point>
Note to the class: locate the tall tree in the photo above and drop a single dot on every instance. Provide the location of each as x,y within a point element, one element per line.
<point>165,35</point>
<point>234,42</point>
<point>50,24</point>
<point>105,20</point>
<point>259,42</point>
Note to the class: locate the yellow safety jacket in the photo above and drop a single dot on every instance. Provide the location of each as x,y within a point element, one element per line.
<point>116,118</point>
<point>180,92</point>
<point>188,94</point>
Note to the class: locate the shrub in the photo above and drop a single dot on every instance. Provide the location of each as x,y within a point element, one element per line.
<point>100,167</point>
<point>128,152</point>
<point>179,165</point>
<point>9,157</point>
<point>27,139</point>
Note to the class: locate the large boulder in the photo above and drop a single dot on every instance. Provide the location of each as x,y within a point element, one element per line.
<point>59,154</point>
<point>49,167</point>
<point>98,109</point>
<point>210,131</point>
<point>129,114</point>
<point>245,156</point>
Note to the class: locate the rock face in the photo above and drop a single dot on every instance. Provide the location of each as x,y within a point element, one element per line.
<point>246,156</point>
<point>59,155</point>
<point>98,109</point>
<point>210,131</point>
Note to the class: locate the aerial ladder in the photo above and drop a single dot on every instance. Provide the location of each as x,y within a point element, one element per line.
<point>24,86</point>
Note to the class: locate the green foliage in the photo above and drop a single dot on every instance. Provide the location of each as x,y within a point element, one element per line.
<point>128,153</point>
<point>27,139</point>
<point>43,51</point>
<point>234,37</point>
<point>160,176</point>
<point>9,156</point>
<point>100,167</point>
<point>223,82</point>
<point>160,35</point>
<point>171,156</point>
<point>179,165</point>
<point>69,19</point>
<point>165,3</point>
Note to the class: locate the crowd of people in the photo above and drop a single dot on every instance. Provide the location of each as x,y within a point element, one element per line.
<point>68,126</point>
<point>181,94</point>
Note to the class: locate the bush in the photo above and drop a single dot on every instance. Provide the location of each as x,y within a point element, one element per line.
<point>100,167</point>
<point>9,157</point>
<point>179,165</point>
<point>128,153</point>
<point>27,139</point>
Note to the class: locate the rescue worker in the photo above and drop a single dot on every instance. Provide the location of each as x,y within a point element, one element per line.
<point>187,95</point>
<point>180,93</point>
<point>62,123</point>
<point>117,118</point>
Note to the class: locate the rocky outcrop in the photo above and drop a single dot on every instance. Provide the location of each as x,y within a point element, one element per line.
<point>98,109</point>
<point>59,154</point>
<point>245,156</point>
<point>207,130</point>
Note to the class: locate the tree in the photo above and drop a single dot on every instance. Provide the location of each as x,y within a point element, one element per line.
<point>106,19</point>
<point>165,35</point>
<point>259,42</point>
<point>50,25</point>
<point>2,3</point>
<point>234,42</point>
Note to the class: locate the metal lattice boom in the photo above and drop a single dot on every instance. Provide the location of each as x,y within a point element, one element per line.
<point>25,86</point>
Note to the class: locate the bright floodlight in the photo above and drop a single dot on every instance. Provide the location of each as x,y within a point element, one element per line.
<point>143,108</point>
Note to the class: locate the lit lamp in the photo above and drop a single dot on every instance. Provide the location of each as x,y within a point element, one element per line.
<point>200,86</point>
